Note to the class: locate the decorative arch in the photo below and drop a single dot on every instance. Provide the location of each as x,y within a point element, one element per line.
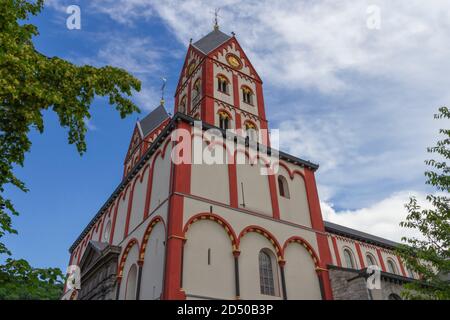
<point>146,236</point>
<point>224,112</point>
<point>214,217</point>
<point>246,87</point>
<point>252,159</point>
<point>266,234</point>
<point>291,173</point>
<point>223,77</point>
<point>307,246</point>
<point>123,259</point>
<point>250,124</point>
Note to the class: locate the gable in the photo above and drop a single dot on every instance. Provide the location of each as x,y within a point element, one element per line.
<point>193,55</point>
<point>232,48</point>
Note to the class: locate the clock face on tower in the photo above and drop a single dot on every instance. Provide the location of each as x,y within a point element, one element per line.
<point>234,61</point>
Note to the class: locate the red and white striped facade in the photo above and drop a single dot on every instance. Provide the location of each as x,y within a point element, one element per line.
<point>195,231</point>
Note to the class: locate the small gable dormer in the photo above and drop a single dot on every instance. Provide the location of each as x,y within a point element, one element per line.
<point>144,133</point>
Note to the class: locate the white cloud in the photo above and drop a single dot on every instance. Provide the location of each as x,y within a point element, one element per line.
<point>136,55</point>
<point>357,101</point>
<point>380,219</point>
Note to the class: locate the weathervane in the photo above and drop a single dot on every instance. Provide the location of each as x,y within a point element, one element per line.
<point>216,18</point>
<point>162,90</point>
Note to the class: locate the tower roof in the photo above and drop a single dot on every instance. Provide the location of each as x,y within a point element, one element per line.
<point>153,120</point>
<point>211,41</point>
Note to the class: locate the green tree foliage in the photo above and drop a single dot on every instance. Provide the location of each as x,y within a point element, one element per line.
<point>18,280</point>
<point>429,255</point>
<point>31,83</point>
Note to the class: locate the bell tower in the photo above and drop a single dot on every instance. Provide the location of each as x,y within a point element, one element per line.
<point>219,86</point>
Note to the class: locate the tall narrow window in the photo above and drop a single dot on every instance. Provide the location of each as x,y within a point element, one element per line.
<point>266,274</point>
<point>251,131</point>
<point>222,84</point>
<point>182,105</point>
<point>370,260</point>
<point>391,267</point>
<point>224,120</point>
<point>197,90</point>
<point>247,95</point>
<point>349,261</point>
<point>283,187</point>
<point>130,289</point>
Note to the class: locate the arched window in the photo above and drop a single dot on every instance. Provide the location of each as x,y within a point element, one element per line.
<point>222,84</point>
<point>191,68</point>
<point>130,290</point>
<point>392,268</point>
<point>251,131</point>
<point>107,232</point>
<point>197,89</point>
<point>182,105</point>
<point>247,95</point>
<point>283,187</point>
<point>266,278</point>
<point>224,120</point>
<point>370,259</point>
<point>349,260</point>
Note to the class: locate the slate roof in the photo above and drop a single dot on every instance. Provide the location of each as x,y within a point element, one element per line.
<point>153,120</point>
<point>359,235</point>
<point>211,41</point>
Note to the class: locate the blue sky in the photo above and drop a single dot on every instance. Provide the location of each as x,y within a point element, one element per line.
<point>355,100</point>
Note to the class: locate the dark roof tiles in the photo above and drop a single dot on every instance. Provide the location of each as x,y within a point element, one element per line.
<point>211,41</point>
<point>153,120</point>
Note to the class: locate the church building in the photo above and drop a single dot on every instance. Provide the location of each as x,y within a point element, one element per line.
<point>233,230</point>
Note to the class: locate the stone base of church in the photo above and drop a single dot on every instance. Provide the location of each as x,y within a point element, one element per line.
<point>351,284</point>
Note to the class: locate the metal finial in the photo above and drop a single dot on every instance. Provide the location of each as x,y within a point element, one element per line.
<point>232,33</point>
<point>216,19</point>
<point>162,90</point>
<point>190,41</point>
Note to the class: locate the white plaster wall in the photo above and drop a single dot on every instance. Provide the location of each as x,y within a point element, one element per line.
<point>255,186</point>
<point>250,246</point>
<point>153,268</point>
<point>296,208</point>
<point>302,282</point>
<point>217,279</point>
<point>239,220</point>
<point>161,179</point>
<point>211,180</point>
<point>139,195</point>
<point>333,254</point>
<point>121,217</point>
